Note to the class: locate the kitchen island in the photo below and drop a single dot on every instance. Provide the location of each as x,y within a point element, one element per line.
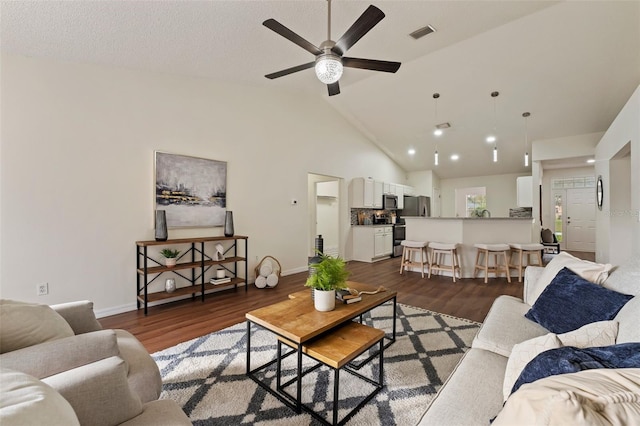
<point>469,231</point>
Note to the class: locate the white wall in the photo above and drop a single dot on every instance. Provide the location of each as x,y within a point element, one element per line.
<point>77,170</point>
<point>625,130</point>
<point>501,191</point>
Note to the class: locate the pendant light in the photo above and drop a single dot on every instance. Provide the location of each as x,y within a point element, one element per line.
<point>526,139</point>
<point>493,138</point>
<point>437,132</point>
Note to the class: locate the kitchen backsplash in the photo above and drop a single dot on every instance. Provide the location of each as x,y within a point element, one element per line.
<point>370,214</point>
<point>521,212</point>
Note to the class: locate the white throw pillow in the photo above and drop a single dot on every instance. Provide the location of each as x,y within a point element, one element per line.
<point>27,324</point>
<point>591,397</point>
<point>590,271</point>
<point>522,354</point>
<point>601,333</point>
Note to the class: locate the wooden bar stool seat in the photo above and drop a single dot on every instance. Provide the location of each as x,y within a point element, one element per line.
<point>522,250</point>
<point>482,260</point>
<point>439,253</point>
<point>411,248</point>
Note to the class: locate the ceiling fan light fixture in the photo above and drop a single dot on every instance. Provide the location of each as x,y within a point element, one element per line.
<point>328,68</point>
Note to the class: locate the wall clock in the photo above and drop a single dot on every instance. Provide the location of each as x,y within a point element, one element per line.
<point>599,192</point>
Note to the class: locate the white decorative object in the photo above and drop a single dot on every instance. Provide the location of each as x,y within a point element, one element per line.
<point>219,252</point>
<point>261,282</point>
<point>170,285</point>
<point>272,280</point>
<point>324,301</point>
<point>220,273</point>
<point>170,262</point>
<point>266,268</point>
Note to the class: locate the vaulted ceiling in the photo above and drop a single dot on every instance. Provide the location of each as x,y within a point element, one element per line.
<point>572,65</point>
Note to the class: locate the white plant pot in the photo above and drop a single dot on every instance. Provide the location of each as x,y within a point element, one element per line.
<point>170,261</point>
<point>324,301</point>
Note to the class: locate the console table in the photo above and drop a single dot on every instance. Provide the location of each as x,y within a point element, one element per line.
<point>196,260</point>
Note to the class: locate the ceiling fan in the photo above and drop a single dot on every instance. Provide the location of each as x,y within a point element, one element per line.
<point>329,61</point>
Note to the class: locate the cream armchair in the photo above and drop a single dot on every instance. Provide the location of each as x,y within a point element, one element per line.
<point>107,376</point>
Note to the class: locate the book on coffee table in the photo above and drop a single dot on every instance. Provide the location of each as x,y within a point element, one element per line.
<point>345,297</point>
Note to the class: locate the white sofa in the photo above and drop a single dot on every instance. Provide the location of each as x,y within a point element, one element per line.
<point>473,394</point>
<point>59,367</point>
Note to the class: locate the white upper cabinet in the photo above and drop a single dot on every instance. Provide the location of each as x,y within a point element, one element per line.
<point>525,191</point>
<point>367,192</point>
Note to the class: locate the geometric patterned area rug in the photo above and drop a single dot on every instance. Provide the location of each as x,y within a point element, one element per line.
<point>206,376</point>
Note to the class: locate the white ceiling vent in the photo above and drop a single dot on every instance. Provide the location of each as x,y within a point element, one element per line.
<point>423,32</point>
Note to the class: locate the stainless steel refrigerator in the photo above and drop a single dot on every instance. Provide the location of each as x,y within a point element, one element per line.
<point>416,206</point>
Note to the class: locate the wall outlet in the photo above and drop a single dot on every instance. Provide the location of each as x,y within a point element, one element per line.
<point>42,289</point>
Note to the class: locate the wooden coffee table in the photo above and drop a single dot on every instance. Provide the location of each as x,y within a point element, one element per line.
<point>297,321</point>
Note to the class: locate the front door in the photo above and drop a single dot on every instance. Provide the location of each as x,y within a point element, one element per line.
<point>581,219</point>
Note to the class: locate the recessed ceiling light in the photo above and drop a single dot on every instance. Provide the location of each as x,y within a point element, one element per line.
<point>491,139</point>
<point>411,151</point>
<point>591,161</point>
<point>437,132</point>
<point>455,157</point>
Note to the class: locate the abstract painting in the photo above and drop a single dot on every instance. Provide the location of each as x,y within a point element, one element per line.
<point>192,190</point>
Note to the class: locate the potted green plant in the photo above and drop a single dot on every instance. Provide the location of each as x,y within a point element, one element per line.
<point>170,256</point>
<point>330,275</point>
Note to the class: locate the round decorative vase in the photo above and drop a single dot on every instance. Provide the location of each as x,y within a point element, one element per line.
<point>228,224</point>
<point>170,262</point>
<point>324,301</point>
<point>170,285</point>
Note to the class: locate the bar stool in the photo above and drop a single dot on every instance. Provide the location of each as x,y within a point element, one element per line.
<point>486,250</point>
<point>520,250</point>
<point>409,249</point>
<point>439,251</point>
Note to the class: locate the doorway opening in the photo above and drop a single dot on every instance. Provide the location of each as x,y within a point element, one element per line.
<point>325,205</point>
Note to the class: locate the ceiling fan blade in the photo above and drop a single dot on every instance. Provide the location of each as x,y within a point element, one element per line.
<point>371,64</point>
<point>290,70</point>
<point>285,32</point>
<point>363,25</point>
<point>334,88</point>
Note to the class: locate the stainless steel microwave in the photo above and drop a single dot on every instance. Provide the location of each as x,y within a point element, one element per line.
<point>389,202</point>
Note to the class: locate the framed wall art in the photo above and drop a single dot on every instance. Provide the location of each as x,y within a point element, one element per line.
<point>191,190</point>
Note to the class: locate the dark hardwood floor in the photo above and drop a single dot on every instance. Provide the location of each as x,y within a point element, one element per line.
<point>172,323</point>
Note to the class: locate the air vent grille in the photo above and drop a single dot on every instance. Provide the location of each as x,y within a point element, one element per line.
<point>422,32</point>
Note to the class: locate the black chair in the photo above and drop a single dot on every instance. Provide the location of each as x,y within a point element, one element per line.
<point>549,241</point>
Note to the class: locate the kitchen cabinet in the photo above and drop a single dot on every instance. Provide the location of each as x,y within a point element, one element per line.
<point>400,194</point>
<point>391,188</point>
<point>372,243</point>
<point>377,194</point>
<point>366,193</point>
<point>525,191</point>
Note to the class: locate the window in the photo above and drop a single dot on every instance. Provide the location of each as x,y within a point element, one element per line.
<point>557,208</point>
<point>471,202</point>
<point>476,204</point>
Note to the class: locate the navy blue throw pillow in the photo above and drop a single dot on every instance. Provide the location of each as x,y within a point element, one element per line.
<point>570,301</point>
